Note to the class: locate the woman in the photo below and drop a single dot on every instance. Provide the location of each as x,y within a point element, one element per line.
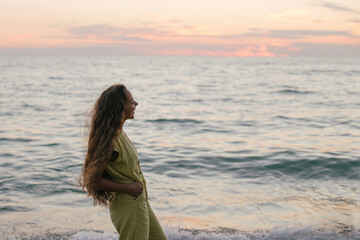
<point>111,173</point>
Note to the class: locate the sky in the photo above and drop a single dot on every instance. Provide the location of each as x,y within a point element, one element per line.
<point>230,28</point>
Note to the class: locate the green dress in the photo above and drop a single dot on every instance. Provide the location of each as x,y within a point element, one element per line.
<point>132,217</point>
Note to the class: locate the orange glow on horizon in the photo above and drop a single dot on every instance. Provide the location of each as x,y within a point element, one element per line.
<point>241,52</point>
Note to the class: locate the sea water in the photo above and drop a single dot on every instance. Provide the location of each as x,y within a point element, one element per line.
<point>231,148</point>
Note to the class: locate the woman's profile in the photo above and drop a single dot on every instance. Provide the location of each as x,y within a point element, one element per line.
<point>111,174</point>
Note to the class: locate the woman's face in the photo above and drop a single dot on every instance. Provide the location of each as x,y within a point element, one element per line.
<point>130,106</point>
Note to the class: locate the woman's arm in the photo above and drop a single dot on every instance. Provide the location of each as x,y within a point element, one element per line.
<point>103,184</point>
<point>134,189</point>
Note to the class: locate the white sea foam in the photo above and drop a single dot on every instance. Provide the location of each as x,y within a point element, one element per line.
<point>275,234</point>
<point>85,235</point>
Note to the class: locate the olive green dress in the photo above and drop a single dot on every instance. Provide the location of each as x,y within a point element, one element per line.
<point>132,217</point>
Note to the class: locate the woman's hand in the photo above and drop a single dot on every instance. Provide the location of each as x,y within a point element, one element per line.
<point>135,189</point>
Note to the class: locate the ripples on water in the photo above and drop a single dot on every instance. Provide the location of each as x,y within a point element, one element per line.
<point>241,148</point>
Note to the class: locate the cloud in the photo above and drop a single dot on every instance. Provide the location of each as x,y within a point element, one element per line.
<point>296,16</point>
<point>280,34</point>
<point>96,30</point>
<point>327,50</point>
<point>334,7</point>
<point>145,33</point>
<point>175,38</point>
<point>240,51</point>
<point>109,32</point>
<point>354,20</point>
<point>296,34</point>
<point>261,51</point>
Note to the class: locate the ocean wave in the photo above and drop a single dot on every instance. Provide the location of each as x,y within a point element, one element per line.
<point>285,164</point>
<point>279,233</point>
<point>56,78</point>
<point>6,139</point>
<point>174,120</point>
<point>320,168</point>
<point>293,91</point>
<point>14,209</point>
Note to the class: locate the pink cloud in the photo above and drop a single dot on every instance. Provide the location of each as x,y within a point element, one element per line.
<point>175,38</point>
<point>253,52</point>
<point>249,51</point>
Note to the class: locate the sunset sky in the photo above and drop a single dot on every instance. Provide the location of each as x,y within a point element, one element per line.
<point>171,27</point>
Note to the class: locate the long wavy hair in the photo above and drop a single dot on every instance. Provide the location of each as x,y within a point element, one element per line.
<point>105,123</point>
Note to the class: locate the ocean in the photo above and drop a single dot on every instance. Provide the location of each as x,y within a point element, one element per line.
<point>231,148</point>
